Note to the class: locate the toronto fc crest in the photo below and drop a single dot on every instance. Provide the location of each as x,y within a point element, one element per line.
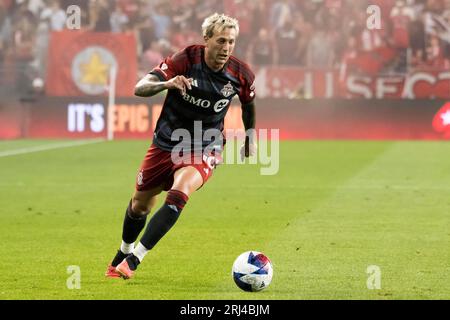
<point>227,90</point>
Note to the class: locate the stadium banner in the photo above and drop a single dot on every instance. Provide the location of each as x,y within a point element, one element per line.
<point>80,63</point>
<point>291,82</point>
<point>135,118</point>
<point>12,120</point>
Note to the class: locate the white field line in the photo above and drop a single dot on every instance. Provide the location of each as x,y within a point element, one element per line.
<point>46,147</point>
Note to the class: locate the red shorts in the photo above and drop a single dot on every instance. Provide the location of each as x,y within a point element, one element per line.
<point>158,168</point>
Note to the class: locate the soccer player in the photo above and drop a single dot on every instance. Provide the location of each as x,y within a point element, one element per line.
<point>201,81</point>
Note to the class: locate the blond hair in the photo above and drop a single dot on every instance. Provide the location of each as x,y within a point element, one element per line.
<point>219,22</point>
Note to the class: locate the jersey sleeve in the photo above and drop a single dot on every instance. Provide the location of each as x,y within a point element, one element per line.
<point>172,66</point>
<point>247,93</point>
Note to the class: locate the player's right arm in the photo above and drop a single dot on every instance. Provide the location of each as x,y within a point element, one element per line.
<point>151,85</point>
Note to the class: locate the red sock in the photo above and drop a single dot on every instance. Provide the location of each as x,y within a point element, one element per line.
<point>177,198</point>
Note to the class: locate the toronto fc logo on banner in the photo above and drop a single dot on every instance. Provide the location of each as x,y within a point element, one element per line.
<point>91,68</point>
<point>227,90</point>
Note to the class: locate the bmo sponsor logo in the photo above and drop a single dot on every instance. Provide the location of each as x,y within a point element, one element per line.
<point>85,117</point>
<point>82,118</point>
<point>218,106</point>
<point>197,101</point>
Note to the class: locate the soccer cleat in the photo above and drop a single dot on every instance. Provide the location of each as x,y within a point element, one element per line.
<point>124,270</point>
<point>111,272</point>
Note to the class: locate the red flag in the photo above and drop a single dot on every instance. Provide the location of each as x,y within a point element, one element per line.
<point>80,63</point>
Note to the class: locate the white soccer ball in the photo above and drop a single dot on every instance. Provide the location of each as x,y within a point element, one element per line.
<point>252,271</point>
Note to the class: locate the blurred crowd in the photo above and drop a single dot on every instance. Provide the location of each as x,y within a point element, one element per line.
<point>306,33</point>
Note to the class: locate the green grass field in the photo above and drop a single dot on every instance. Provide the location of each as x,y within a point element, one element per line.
<point>333,209</point>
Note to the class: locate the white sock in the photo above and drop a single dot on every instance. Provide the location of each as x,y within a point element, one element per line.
<point>140,251</point>
<point>127,248</point>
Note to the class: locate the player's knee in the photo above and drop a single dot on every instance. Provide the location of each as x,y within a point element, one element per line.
<point>188,186</point>
<point>184,188</point>
<point>138,209</point>
<point>187,180</point>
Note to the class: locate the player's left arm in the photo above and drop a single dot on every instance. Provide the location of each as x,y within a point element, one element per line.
<point>247,98</point>
<point>249,119</point>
